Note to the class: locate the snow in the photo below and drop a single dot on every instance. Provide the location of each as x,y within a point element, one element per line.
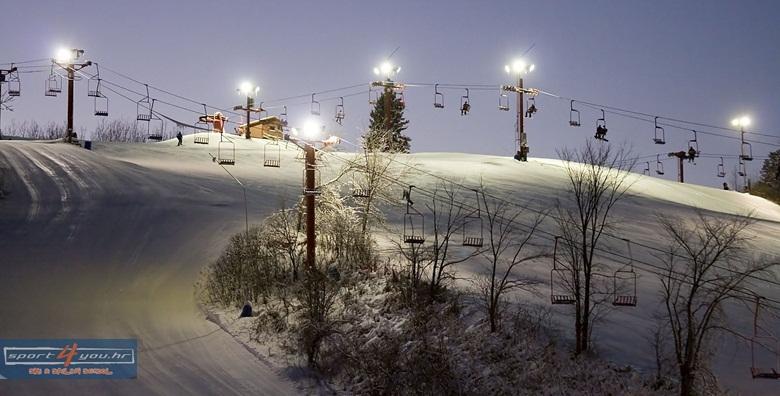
<point>109,242</point>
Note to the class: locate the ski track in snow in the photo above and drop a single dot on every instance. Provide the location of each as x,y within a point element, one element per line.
<point>64,195</point>
<point>32,190</point>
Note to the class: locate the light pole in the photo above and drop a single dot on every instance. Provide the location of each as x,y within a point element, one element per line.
<point>519,68</point>
<point>745,148</point>
<point>388,71</point>
<point>250,90</point>
<point>66,59</point>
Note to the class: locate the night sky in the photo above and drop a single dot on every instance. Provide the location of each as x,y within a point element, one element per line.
<point>704,61</point>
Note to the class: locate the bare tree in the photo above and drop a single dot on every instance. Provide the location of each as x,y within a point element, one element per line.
<point>708,264</point>
<point>508,247</point>
<point>374,184</point>
<point>598,177</point>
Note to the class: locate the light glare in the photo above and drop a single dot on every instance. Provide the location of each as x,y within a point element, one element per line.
<point>64,55</point>
<point>311,129</point>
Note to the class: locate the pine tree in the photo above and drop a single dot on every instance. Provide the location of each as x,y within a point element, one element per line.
<point>387,135</point>
<point>770,172</point>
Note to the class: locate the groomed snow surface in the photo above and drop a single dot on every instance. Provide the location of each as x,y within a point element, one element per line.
<point>108,243</point>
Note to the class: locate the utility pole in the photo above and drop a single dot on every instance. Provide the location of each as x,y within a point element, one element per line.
<point>310,190</point>
<point>250,91</point>
<point>67,60</point>
<point>519,68</point>
<point>681,157</point>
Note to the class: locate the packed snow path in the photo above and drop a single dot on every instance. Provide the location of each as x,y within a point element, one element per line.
<point>108,243</point>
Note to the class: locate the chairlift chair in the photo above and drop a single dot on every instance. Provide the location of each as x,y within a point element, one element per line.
<point>659,135</point>
<point>283,116</point>
<point>558,271</point>
<point>399,95</point>
<point>503,101</point>
<point>414,221</point>
<point>93,83</point>
<point>438,97</point>
<point>101,105</point>
<point>465,106</point>
<point>625,274</point>
<point>694,143</point>
<point>53,83</point>
<point>530,107</point>
<point>742,169</point>
<point>373,95</point>
<point>601,127</point>
<point>272,156</point>
<point>144,107</point>
<point>659,166</point>
<point>360,192</point>
<point>721,168</point>
<point>473,233</point>
<point>202,121</point>
<point>155,126</point>
<point>340,111</point>
<point>762,336</point>
<point>746,151</point>
<point>315,106</point>
<point>226,153</point>
<point>647,168</point>
<point>574,115</point>
<point>311,190</point>
<point>14,82</point>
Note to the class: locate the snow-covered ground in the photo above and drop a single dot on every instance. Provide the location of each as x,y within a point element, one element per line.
<point>109,242</point>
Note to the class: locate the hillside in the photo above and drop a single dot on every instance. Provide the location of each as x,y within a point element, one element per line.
<point>109,242</point>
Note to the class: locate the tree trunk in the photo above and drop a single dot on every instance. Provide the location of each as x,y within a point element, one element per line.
<point>686,381</point>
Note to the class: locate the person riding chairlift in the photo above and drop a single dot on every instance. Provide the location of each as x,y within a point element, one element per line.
<point>691,154</point>
<point>601,132</point>
<point>465,108</point>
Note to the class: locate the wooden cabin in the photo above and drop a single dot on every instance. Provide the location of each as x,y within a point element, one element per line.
<point>264,128</point>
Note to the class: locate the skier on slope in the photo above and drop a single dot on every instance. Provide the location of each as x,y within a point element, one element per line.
<point>178,136</point>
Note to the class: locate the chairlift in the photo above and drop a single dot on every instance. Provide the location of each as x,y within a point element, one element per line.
<point>647,168</point>
<point>559,272</point>
<point>315,189</point>
<point>746,151</point>
<point>53,83</point>
<point>625,275</point>
<point>373,95</point>
<point>272,156</point>
<point>721,168</point>
<point>144,107</point>
<point>155,126</point>
<point>473,233</point>
<point>315,106</point>
<point>93,83</point>
<point>465,106</point>
<point>414,221</point>
<point>574,115</point>
<point>659,166</point>
<point>226,153</point>
<point>530,107</point>
<point>761,337</point>
<point>601,127</point>
<point>14,82</point>
<point>283,116</point>
<point>340,111</point>
<point>261,111</point>
<point>399,96</point>
<point>202,121</point>
<point>742,169</point>
<point>659,135</point>
<point>503,100</point>
<point>694,143</point>
<point>361,192</point>
<point>101,105</point>
<point>438,97</point>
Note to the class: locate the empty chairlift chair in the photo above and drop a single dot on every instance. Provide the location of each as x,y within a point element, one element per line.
<point>414,222</point>
<point>647,168</point>
<point>14,82</point>
<point>203,126</point>
<point>93,83</point>
<point>144,108</point>
<point>659,135</point>
<point>272,154</point>
<point>438,97</point>
<point>659,166</point>
<point>746,151</point>
<point>155,125</point>
<point>473,234</point>
<point>100,105</point>
<point>503,100</point>
<point>560,274</point>
<point>574,115</point>
<point>315,106</point>
<point>721,168</point>
<point>53,83</point>
<point>624,282</point>
<point>763,341</point>
<point>226,153</point>
<point>340,114</point>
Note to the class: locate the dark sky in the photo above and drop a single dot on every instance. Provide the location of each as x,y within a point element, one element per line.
<point>705,61</point>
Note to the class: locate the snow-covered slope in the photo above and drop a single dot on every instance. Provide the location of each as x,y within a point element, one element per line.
<point>108,243</point>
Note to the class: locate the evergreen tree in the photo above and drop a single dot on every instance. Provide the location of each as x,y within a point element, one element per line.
<point>769,184</point>
<point>387,135</point>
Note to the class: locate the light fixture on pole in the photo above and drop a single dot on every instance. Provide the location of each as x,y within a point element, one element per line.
<point>67,59</point>
<point>249,90</point>
<point>745,148</point>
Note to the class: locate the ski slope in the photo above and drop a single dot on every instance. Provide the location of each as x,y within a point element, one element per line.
<point>108,243</point>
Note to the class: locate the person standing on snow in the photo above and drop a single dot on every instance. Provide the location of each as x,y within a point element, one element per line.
<point>178,136</point>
